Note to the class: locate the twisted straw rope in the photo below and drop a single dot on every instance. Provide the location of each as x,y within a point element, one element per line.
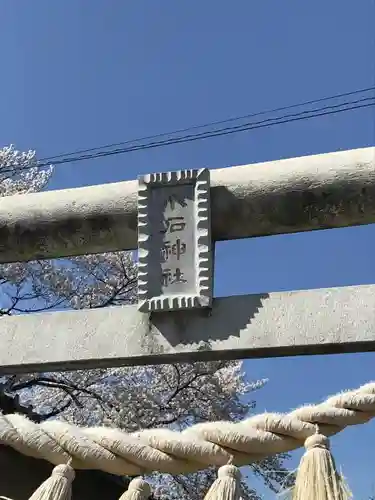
<point>197,447</point>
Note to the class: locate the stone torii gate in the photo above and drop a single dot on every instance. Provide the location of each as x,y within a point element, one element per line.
<point>176,318</point>
<point>174,219</point>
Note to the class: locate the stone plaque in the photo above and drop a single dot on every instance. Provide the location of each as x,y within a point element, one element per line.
<point>174,241</point>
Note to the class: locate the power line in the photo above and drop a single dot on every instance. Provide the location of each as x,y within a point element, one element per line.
<point>233,129</point>
<point>210,124</point>
<point>218,133</point>
<point>215,133</point>
<point>303,115</point>
<point>222,131</point>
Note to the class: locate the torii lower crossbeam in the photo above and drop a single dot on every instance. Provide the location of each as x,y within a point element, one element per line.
<point>322,321</point>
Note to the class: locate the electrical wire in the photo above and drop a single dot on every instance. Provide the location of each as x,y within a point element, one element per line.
<point>288,118</point>
<point>210,124</point>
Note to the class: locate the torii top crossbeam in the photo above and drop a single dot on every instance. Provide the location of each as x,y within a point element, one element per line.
<point>285,196</point>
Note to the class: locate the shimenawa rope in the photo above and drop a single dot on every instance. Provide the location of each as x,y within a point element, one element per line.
<point>213,443</point>
<point>201,445</point>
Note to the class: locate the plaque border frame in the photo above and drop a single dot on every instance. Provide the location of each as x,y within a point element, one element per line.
<point>200,179</point>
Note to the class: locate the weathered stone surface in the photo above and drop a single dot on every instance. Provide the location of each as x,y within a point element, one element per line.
<point>285,196</point>
<point>332,320</point>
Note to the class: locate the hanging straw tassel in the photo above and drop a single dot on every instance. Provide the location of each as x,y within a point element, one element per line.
<point>317,477</point>
<point>138,489</point>
<point>58,486</point>
<point>227,485</point>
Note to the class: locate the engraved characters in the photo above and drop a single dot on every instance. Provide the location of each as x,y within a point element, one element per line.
<point>174,246</point>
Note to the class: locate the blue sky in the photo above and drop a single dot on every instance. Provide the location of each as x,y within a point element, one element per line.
<point>82,73</point>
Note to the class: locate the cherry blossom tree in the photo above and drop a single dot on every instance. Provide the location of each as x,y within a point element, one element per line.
<point>174,395</point>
